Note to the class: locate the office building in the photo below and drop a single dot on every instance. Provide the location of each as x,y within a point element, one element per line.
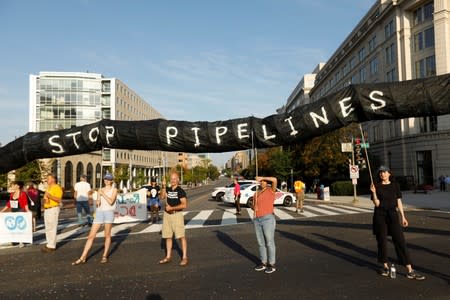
<point>60,100</point>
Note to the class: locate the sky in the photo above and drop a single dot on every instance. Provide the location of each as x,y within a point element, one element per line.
<point>191,60</point>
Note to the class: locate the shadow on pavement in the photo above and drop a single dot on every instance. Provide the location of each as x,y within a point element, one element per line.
<point>360,226</point>
<point>235,246</point>
<point>323,248</point>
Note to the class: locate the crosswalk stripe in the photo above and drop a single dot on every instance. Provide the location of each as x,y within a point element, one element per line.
<point>228,218</point>
<point>322,211</point>
<point>338,209</point>
<point>199,219</point>
<point>152,228</point>
<point>305,212</point>
<point>281,214</point>
<point>356,208</point>
<point>117,228</point>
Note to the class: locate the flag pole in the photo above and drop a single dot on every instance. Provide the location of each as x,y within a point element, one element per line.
<point>366,152</point>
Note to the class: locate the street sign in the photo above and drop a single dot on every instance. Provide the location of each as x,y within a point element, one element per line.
<point>365,145</point>
<point>354,172</point>
<point>346,147</point>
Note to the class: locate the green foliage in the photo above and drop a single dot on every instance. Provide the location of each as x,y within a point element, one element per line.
<point>341,188</point>
<point>4,180</point>
<point>122,172</point>
<point>29,172</point>
<point>140,178</point>
<point>281,164</point>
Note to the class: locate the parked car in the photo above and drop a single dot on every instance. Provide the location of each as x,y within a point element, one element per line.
<point>248,190</point>
<point>219,192</point>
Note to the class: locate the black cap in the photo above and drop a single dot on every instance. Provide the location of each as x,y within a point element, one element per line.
<point>152,179</point>
<point>383,169</point>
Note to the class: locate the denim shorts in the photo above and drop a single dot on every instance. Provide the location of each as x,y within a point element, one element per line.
<point>104,217</point>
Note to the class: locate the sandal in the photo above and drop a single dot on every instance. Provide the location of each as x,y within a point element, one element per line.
<point>104,260</point>
<point>184,262</point>
<point>165,261</point>
<point>79,261</point>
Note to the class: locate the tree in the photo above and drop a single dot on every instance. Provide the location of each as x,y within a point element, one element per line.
<point>140,178</point>
<point>281,163</point>
<point>29,172</point>
<point>121,173</point>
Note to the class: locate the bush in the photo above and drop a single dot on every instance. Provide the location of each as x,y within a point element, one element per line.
<point>342,188</point>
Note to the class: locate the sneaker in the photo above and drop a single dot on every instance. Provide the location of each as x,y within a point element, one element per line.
<point>302,210</point>
<point>260,267</point>
<point>414,275</point>
<point>21,245</point>
<point>384,272</point>
<point>270,269</point>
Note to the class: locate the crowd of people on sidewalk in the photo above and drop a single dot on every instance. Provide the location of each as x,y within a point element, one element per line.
<point>388,218</point>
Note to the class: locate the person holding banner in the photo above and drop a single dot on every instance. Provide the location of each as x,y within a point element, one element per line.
<point>173,220</point>
<point>265,223</point>
<point>18,201</point>
<point>387,199</point>
<point>52,205</point>
<point>104,214</point>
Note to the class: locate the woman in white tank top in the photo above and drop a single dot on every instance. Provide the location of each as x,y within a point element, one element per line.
<point>104,214</point>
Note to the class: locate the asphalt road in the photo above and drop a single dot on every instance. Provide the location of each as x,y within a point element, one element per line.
<point>328,257</point>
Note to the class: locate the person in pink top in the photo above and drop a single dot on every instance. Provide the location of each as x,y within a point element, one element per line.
<point>237,196</point>
<point>264,222</point>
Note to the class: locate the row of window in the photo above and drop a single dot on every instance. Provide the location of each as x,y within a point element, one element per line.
<point>81,98</point>
<point>424,39</point>
<point>426,67</point>
<point>425,124</point>
<point>68,85</point>
<point>122,155</point>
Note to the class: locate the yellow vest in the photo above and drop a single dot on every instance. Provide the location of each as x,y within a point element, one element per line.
<point>56,191</point>
<point>299,186</point>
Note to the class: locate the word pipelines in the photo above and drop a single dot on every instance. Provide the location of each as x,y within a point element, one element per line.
<point>241,130</point>
<point>359,103</point>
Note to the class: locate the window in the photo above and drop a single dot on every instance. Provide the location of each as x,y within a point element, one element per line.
<point>354,79</point>
<point>389,29</point>
<point>424,13</point>
<point>362,75</point>
<point>352,63</point>
<point>390,54</point>
<point>426,67</point>
<point>345,70</point>
<point>424,39</point>
<point>373,43</point>
<point>361,54</point>
<point>374,66</point>
<point>337,77</point>
<point>390,76</point>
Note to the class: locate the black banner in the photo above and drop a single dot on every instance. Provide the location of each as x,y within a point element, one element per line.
<point>357,103</point>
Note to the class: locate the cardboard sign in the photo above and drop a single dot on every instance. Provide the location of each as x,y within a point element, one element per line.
<point>131,207</point>
<point>16,227</point>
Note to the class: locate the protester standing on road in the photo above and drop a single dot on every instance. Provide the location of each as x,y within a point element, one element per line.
<point>173,220</point>
<point>52,202</point>
<point>35,200</point>
<point>442,183</point>
<point>153,202</point>
<point>264,222</point>
<point>387,198</point>
<point>18,201</point>
<point>82,190</point>
<point>104,214</point>
<point>299,187</point>
<point>237,196</point>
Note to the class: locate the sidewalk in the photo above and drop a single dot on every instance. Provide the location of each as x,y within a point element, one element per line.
<point>434,200</point>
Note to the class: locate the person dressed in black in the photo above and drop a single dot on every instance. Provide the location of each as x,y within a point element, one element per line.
<point>153,202</point>
<point>387,198</point>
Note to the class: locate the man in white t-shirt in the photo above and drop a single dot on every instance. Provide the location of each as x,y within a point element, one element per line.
<point>82,189</point>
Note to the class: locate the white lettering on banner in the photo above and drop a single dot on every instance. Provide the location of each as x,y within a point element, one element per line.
<point>73,135</point>
<point>219,132</point>
<point>346,109</point>
<point>381,102</point>
<point>289,120</point>
<point>197,140</point>
<point>91,137</point>
<point>241,128</point>
<point>131,207</point>
<point>171,132</point>
<point>323,118</point>
<point>267,137</point>
<point>16,227</point>
<point>55,144</point>
<point>109,133</point>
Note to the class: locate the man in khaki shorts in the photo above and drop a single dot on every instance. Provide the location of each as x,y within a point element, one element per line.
<point>173,220</point>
